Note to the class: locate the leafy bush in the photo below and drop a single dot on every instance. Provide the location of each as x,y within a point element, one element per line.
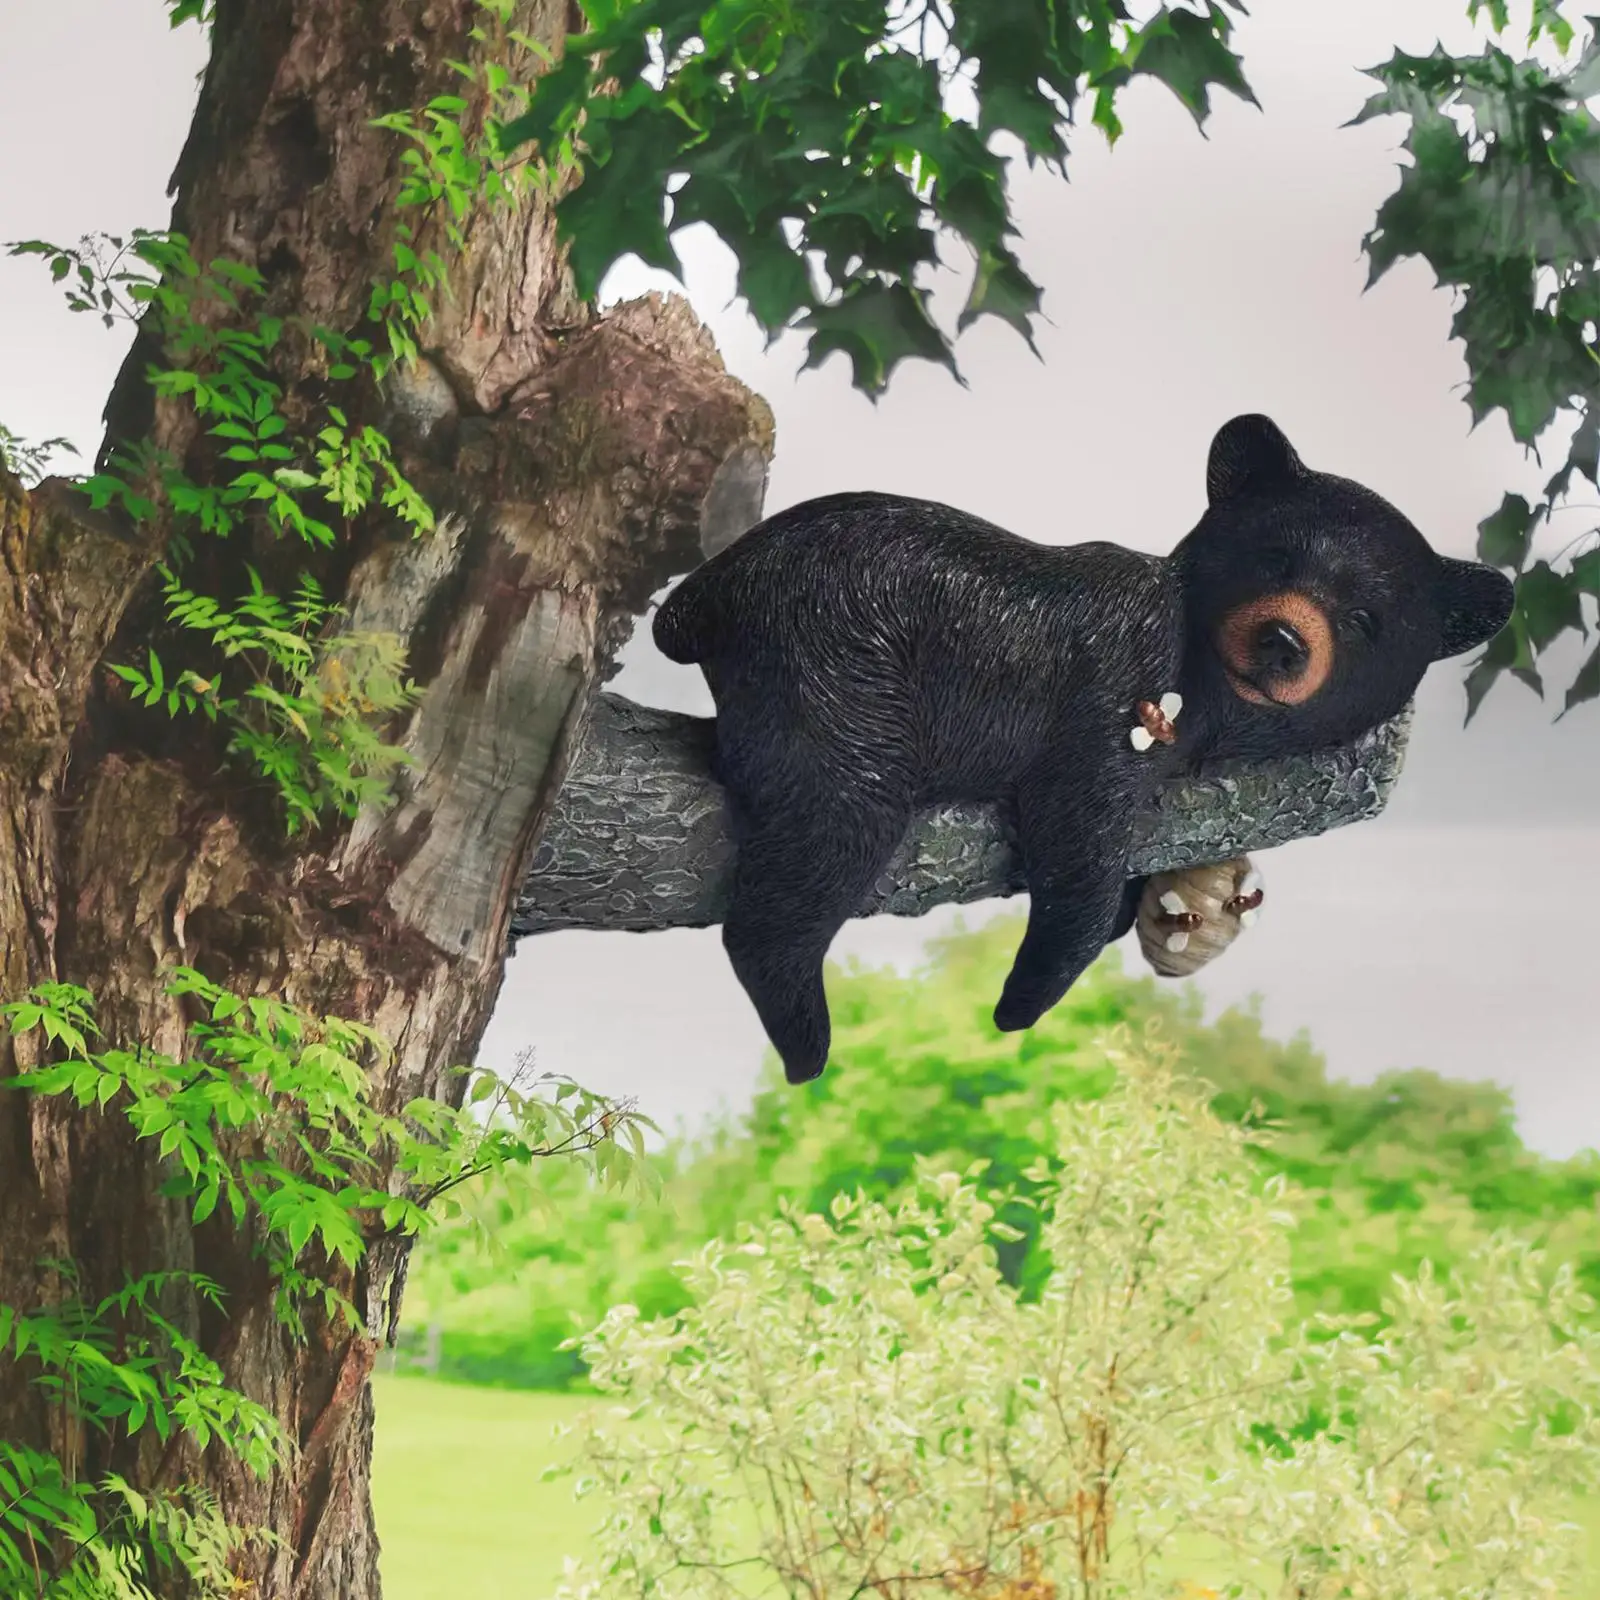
<point>860,1401</point>
<point>1413,1167</point>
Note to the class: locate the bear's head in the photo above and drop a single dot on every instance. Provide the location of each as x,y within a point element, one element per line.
<point>1312,606</point>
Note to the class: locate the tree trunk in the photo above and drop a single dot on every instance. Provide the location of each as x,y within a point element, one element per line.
<point>576,462</point>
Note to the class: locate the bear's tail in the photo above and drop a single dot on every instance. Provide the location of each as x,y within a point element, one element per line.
<point>684,625</point>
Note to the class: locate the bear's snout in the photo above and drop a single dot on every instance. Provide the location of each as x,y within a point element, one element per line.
<point>1278,649</point>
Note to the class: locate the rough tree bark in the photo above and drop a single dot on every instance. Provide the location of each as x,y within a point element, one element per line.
<point>577,462</point>
<point>639,838</point>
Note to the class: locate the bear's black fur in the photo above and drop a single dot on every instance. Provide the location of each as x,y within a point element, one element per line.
<point>871,655</point>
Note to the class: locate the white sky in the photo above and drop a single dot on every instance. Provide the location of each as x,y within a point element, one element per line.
<point>1186,279</point>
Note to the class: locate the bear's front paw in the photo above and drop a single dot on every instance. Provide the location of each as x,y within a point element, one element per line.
<point>803,1069</point>
<point>1014,1013</point>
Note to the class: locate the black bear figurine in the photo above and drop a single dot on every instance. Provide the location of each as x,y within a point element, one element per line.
<point>871,655</point>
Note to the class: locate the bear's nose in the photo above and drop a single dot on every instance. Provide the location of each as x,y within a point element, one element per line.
<point>1279,650</point>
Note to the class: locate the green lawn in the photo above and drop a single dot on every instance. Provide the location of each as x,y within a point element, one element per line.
<point>461,1511</point>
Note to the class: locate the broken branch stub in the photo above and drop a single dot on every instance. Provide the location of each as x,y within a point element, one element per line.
<point>640,836</point>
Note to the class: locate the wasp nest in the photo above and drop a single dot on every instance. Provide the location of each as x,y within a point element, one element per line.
<point>1189,918</point>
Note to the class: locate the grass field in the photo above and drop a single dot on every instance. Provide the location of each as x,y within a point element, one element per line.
<point>461,1512</point>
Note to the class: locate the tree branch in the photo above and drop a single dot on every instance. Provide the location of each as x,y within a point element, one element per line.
<point>640,840</point>
<point>612,470</point>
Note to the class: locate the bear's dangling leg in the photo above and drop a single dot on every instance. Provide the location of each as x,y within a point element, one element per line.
<point>796,882</point>
<point>1075,843</point>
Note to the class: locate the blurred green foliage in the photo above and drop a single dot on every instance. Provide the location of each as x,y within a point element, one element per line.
<point>1413,1166</point>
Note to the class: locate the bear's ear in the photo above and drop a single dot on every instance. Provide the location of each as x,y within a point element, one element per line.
<point>1474,605</point>
<point>1249,453</point>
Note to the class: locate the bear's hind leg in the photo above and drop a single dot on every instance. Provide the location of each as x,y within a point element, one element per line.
<point>795,884</point>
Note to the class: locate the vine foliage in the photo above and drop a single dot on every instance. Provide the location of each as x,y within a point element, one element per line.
<point>29,459</point>
<point>269,1117</point>
<point>306,701</point>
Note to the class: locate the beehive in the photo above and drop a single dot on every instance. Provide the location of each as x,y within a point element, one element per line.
<point>1190,917</point>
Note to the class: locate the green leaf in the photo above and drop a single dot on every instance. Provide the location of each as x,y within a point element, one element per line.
<point>1502,651</point>
<point>1583,455</point>
<point>1022,110</point>
<point>1002,289</point>
<point>619,210</point>
<point>1586,686</point>
<point>22,1016</point>
<point>1189,53</point>
<point>877,326</point>
<point>1548,602</point>
<point>1585,571</point>
<point>1527,364</point>
<point>1548,20</point>
<point>772,275</point>
<point>1504,537</point>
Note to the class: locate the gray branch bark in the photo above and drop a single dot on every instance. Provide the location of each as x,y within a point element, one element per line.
<point>640,840</point>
